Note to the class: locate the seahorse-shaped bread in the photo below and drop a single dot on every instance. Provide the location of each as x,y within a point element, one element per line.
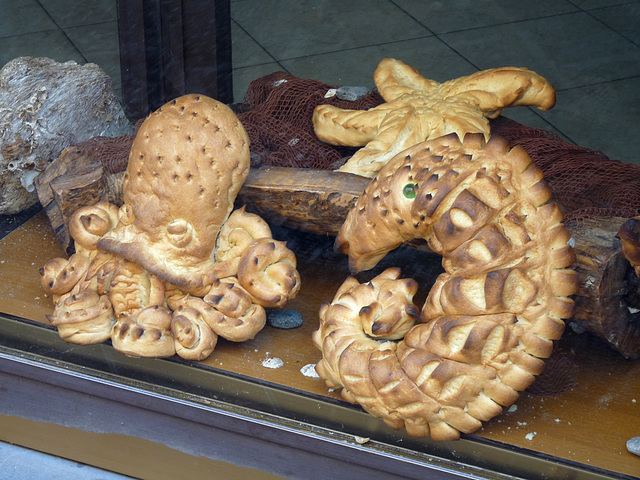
<point>490,319</point>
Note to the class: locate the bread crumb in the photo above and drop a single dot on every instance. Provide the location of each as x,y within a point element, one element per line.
<point>361,440</point>
<point>512,408</point>
<point>529,436</point>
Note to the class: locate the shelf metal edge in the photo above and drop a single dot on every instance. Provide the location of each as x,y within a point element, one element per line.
<point>276,414</point>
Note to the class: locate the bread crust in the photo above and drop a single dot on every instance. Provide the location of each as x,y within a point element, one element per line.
<point>418,109</point>
<point>166,272</point>
<point>193,145</point>
<point>489,320</point>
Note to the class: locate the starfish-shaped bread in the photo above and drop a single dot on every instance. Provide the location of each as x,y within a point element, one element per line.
<point>417,109</point>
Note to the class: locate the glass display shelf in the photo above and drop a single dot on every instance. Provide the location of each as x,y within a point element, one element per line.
<point>301,428</point>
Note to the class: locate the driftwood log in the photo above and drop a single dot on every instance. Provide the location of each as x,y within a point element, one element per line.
<point>44,107</point>
<point>608,300</point>
<point>75,179</point>
<point>316,201</point>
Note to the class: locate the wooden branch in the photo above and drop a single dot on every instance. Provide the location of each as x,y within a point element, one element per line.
<point>71,181</point>
<point>315,201</point>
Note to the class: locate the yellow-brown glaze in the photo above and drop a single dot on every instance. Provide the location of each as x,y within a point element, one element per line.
<point>490,319</point>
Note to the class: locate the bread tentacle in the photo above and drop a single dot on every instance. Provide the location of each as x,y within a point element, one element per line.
<point>267,270</point>
<point>60,275</point>
<point>228,310</point>
<point>83,317</point>
<point>88,224</point>
<point>194,339</point>
<point>144,333</point>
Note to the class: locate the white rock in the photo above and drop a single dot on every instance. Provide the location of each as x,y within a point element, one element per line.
<point>46,106</point>
<point>273,362</point>
<point>309,370</point>
<point>633,445</point>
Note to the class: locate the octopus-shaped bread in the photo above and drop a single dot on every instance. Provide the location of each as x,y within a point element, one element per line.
<point>490,319</point>
<point>175,266</point>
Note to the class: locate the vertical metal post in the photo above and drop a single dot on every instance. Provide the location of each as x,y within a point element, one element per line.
<point>170,48</point>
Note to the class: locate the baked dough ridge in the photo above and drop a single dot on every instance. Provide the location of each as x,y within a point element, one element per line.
<point>174,267</point>
<point>490,319</point>
<point>418,109</point>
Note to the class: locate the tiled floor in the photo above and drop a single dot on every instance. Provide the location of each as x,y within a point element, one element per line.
<point>588,49</point>
<point>17,463</point>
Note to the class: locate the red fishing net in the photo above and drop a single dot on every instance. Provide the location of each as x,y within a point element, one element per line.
<point>113,152</point>
<point>584,182</point>
<point>277,112</point>
<point>279,109</point>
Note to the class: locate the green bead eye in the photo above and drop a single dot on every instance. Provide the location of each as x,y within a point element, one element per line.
<point>409,190</point>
